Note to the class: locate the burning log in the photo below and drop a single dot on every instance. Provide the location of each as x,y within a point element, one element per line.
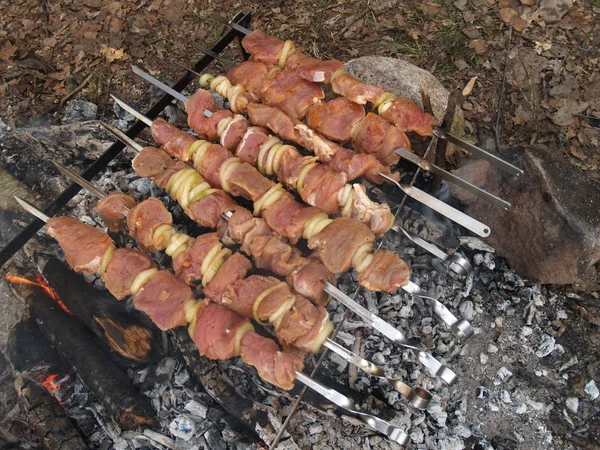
<point>103,314</point>
<point>98,372</point>
<point>30,352</point>
<point>46,418</point>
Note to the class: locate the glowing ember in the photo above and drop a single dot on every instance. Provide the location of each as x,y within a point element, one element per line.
<point>50,384</point>
<point>39,281</point>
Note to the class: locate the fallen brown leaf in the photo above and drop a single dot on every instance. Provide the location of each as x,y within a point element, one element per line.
<point>112,54</point>
<point>7,51</point>
<point>430,8</point>
<point>479,45</point>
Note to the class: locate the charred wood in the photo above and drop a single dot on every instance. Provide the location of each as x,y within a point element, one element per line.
<point>119,329</point>
<point>252,415</point>
<point>30,352</point>
<point>46,418</point>
<point>99,373</point>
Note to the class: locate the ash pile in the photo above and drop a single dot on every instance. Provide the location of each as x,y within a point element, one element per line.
<point>525,380</point>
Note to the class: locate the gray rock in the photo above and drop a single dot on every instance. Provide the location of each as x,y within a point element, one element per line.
<point>467,310</point>
<point>402,78</point>
<point>182,427</point>
<point>142,185</point>
<point>80,111</point>
<point>502,375</point>
<point>553,10</point>
<point>546,347</point>
<point>572,404</point>
<point>592,390</point>
<point>551,233</point>
<point>122,114</point>
<point>196,408</point>
<point>4,128</point>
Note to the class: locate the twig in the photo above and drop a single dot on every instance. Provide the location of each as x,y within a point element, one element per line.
<point>360,16</point>
<point>320,28</point>
<point>501,98</point>
<point>76,90</point>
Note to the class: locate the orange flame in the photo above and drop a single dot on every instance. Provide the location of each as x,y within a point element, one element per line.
<point>50,384</point>
<point>39,281</point>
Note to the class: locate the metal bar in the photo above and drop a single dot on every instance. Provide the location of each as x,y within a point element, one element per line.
<point>214,55</point>
<point>429,167</point>
<point>493,159</point>
<point>458,264</point>
<point>232,24</point>
<point>123,137</point>
<point>32,209</point>
<point>80,181</point>
<point>61,201</point>
<point>393,432</point>
<point>162,86</point>
<point>444,209</point>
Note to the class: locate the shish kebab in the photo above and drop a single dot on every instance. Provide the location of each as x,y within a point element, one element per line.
<point>459,327</point>
<point>274,149</point>
<point>457,263</point>
<point>397,110</point>
<point>347,237</point>
<point>327,117</point>
<point>114,208</point>
<point>218,332</point>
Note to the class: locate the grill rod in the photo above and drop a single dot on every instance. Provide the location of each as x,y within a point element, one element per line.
<point>437,131</point>
<point>391,431</point>
<point>446,210</point>
<point>460,327</point>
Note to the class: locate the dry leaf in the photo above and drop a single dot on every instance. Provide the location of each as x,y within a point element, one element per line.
<point>541,47</point>
<point>112,54</point>
<point>521,116</point>
<point>469,87</point>
<point>49,42</point>
<point>7,51</point>
<point>430,9</point>
<point>479,45</point>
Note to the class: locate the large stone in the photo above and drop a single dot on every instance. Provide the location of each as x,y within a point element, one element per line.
<point>551,234</point>
<point>402,78</point>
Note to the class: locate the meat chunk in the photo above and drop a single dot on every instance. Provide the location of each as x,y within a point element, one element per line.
<point>353,89</point>
<point>249,147</point>
<point>124,266</point>
<point>377,136</point>
<point>251,75</point>
<point>162,179</point>
<point>234,268</point>
<point>262,47</point>
<point>337,243</point>
<point>216,331</point>
<point>187,264</point>
<point>309,281</point>
<point>207,211</point>
<point>175,142</point>
<point>321,186</point>
<point>84,246</point>
<point>274,366</point>
<point>287,217</point>
<point>144,219</point>
<point>290,93</point>
<point>151,162</point>
<point>234,133</point>
<point>312,69</point>
<point>205,126</point>
<point>334,119</point>
<point>113,209</point>
<point>246,181</point>
<point>386,273</point>
<point>209,166</point>
<point>162,298</point>
<point>408,116</point>
<point>275,120</point>
<point>241,296</point>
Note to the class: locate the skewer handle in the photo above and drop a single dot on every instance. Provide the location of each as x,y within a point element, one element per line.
<point>432,168</point>
<point>458,264</point>
<point>493,159</point>
<point>393,432</point>
<point>418,398</point>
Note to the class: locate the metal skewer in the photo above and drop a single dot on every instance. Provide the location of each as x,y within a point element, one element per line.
<point>437,205</point>
<point>417,397</point>
<point>459,327</point>
<point>430,167</point>
<point>458,264</point>
<point>391,431</point>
